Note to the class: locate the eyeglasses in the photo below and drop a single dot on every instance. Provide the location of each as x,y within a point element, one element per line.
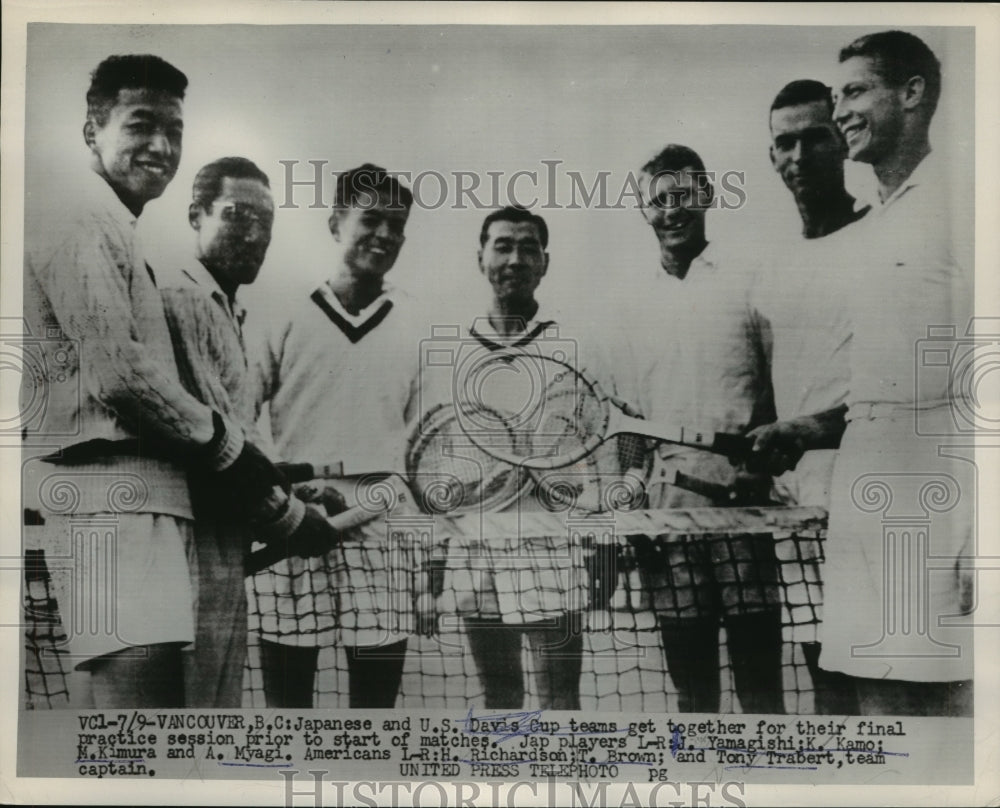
<point>245,215</point>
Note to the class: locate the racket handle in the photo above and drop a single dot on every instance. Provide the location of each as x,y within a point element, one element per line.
<point>279,550</point>
<point>714,491</point>
<point>731,445</point>
<point>304,472</point>
<point>724,495</point>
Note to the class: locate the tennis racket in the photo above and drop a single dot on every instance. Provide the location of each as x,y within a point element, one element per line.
<point>446,472</point>
<point>541,413</point>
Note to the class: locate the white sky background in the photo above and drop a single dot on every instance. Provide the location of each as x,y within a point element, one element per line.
<point>473,99</point>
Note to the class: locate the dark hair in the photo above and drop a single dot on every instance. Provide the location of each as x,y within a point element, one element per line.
<point>208,180</point>
<point>131,72</point>
<point>802,91</point>
<point>516,214</point>
<point>898,56</point>
<point>359,187</point>
<point>674,157</point>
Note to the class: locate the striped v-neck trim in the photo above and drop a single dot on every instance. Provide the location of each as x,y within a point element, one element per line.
<point>526,339</point>
<point>355,333</point>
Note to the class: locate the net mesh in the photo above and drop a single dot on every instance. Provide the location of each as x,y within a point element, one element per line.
<point>524,608</point>
<point>45,680</point>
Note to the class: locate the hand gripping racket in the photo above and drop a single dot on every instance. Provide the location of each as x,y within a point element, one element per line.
<point>446,473</point>
<point>382,494</point>
<point>541,413</point>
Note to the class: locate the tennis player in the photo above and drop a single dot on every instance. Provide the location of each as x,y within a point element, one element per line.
<point>127,428</point>
<point>698,366</point>
<point>798,308</point>
<point>910,273</point>
<point>231,215</point>
<point>915,273</point>
<point>531,588</point>
<point>338,369</point>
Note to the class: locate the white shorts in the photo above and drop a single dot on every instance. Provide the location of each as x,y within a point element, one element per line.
<point>520,581</point>
<point>120,580</point>
<point>900,518</point>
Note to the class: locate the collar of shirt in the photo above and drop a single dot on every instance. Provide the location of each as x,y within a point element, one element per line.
<point>483,326</point>
<point>373,308</point>
<point>925,173</point>
<point>702,263</point>
<point>103,194</point>
<point>200,276</point>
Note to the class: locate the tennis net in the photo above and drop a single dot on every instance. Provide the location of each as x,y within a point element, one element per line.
<point>609,589</point>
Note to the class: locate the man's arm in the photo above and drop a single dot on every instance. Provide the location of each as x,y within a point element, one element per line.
<point>96,301</point>
<point>760,341</point>
<point>197,326</point>
<point>90,297</point>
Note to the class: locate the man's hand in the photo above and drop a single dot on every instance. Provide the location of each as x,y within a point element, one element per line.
<point>249,478</point>
<point>314,536</point>
<point>778,447</point>
<point>751,488</point>
<point>330,498</point>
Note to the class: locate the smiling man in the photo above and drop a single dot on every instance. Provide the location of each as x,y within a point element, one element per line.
<point>91,296</point>
<point>513,258</point>
<point>338,370</point>
<point>797,312</point>
<point>889,86</point>
<point>136,141</point>
<point>808,152</point>
<point>907,272</point>
<point>529,589</point>
<point>913,274</point>
<point>695,365</point>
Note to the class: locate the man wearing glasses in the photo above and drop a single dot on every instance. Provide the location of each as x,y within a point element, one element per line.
<point>231,214</point>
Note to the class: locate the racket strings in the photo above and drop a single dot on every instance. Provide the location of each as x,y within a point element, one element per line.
<point>449,474</point>
<point>596,484</point>
<point>555,414</point>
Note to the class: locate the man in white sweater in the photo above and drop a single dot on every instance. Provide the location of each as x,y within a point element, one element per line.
<point>909,273</point>
<point>695,364</point>
<point>337,368</point>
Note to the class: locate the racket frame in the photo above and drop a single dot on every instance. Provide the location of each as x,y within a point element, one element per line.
<point>616,422</point>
